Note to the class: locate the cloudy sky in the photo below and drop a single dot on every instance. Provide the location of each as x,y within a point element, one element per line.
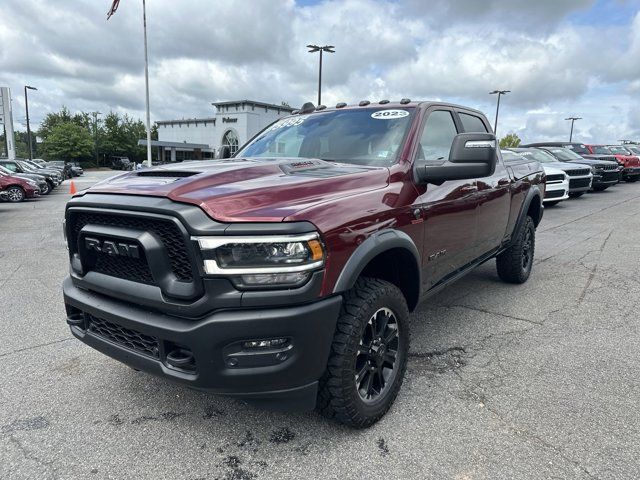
<point>559,57</point>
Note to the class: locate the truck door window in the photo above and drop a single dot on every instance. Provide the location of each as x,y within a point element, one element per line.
<point>472,124</point>
<point>437,137</point>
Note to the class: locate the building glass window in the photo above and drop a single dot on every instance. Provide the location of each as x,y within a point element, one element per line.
<point>230,139</point>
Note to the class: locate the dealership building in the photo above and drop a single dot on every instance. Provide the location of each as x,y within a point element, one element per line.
<point>233,123</point>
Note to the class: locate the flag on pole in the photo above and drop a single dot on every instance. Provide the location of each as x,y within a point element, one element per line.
<point>114,7</point>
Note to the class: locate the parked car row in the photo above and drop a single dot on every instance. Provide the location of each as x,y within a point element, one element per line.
<point>21,179</point>
<point>573,169</point>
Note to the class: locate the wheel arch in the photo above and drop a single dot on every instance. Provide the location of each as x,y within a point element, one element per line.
<point>531,206</point>
<point>389,255</point>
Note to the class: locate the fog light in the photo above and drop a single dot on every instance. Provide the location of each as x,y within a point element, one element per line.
<point>257,344</point>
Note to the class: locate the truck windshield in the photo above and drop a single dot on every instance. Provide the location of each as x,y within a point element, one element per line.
<point>601,150</point>
<point>618,150</point>
<point>25,166</point>
<point>578,148</point>
<point>634,150</point>
<point>363,136</point>
<point>538,155</point>
<point>565,154</point>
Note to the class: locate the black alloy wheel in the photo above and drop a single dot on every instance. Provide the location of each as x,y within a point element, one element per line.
<point>377,353</point>
<point>368,354</point>
<point>515,263</point>
<point>527,249</point>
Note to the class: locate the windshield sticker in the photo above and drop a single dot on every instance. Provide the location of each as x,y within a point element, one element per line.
<point>389,114</point>
<point>288,122</point>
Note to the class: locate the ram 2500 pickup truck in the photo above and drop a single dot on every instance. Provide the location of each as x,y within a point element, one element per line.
<point>285,275</point>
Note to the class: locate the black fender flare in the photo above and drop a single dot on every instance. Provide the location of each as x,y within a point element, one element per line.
<point>373,246</point>
<point>532,193</point>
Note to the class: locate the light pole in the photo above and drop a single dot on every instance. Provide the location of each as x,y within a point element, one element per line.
<point>499,93</point>
<point>316,48</point>
<point>573,119</point>
<point>26,106</point>
<point>95,134</point>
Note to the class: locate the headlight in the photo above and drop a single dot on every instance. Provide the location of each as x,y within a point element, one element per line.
<point>266,261</point>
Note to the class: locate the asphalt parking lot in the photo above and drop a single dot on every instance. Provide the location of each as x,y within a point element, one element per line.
<point>532,381</point>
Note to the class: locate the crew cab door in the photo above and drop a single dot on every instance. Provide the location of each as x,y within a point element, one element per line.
<point>493,195</point>
<point>448,210</point>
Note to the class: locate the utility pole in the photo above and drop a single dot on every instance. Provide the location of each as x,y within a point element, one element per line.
<point>112,10</point>
<point>26,106</point>
<point>573,119</point>
<point>146,82</point>
<point>499,93</point>
<point>95,134</point>
<point>316,48</point>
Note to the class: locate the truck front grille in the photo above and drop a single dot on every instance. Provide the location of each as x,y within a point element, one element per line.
<point>578,172</point>
<point>124,337</point>
<point>133,269</point>
<point>612,166</point>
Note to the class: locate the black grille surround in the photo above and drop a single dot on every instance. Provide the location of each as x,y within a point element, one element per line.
<point>579,182</point>
<point>554,194</point>
<point>555,178</point>
<point>610,176</point>
<point>134,269</point>
<point>124,337</point>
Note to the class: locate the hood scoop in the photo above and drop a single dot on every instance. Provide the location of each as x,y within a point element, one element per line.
<point>165,173</point>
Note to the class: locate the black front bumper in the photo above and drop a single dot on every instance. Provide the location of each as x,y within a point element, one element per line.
<point>631,172</point>
<point>282,378</point>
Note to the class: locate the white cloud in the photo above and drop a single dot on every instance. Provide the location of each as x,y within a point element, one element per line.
<point>450,50</point>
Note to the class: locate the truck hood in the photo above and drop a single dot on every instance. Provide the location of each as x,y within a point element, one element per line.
<point>249,189</point>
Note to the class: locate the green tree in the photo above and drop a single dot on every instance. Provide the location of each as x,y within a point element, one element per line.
<point>68,141</point>
<point>120,135</point>
<point>510,141</point>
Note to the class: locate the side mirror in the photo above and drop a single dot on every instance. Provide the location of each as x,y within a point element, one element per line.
<point>225,152</point>
<point>472,155</point>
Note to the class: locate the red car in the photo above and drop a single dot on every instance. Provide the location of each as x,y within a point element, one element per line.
<point>630,163</point>
<point>17,189</point>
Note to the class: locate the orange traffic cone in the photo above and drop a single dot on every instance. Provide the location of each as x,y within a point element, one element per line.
<point>72,188</point>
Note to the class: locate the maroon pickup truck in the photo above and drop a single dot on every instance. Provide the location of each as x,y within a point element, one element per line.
<point>285,275</point>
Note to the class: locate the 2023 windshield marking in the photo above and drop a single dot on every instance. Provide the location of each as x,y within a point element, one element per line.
<point>356,136</point>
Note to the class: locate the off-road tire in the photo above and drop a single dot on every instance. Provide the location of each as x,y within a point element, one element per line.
<point>515,263</point>
<point>576,194</point>
<point>338,396</point>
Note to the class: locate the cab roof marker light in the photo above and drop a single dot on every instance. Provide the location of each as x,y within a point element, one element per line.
<point>308,107</point>
<point>383,102</point>
<point>321,107</point>
<point>341,105</point>
<point>364,103</point>
<point>404,101</point>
